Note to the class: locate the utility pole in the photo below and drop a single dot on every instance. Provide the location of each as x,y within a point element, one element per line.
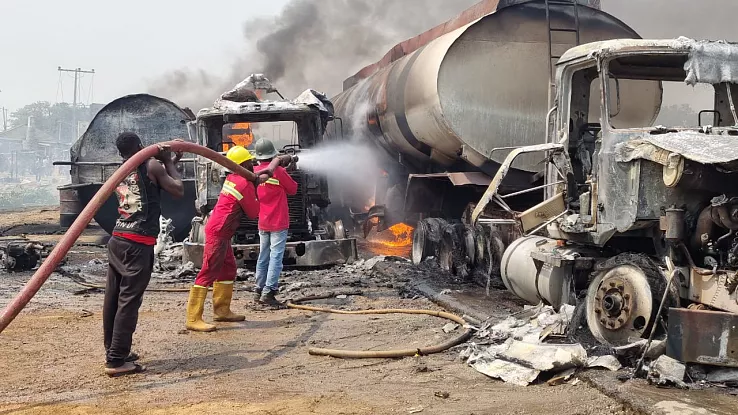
<point>76,72</point>
<point>5,117</point>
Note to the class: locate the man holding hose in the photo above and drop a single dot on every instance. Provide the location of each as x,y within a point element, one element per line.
<point>131,248</point>
<point>274,221</point>
<point>237,198</point>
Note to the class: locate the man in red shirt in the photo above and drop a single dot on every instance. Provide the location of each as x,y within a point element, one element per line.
<point>238,197</point>
<point>274,222</point>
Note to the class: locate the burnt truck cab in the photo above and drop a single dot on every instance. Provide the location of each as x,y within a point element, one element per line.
<point>640,218</point>
<point>313,240</point>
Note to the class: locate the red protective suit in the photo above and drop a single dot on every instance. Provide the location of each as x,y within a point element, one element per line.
<point>238,197</point>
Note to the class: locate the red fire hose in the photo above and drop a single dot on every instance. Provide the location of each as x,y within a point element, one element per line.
<point>60,251</point>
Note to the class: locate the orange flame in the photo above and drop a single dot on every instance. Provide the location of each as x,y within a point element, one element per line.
<point>243,139</point>
<point>400,235</point>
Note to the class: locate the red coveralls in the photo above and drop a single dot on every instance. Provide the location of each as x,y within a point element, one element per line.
<point>218,263</point>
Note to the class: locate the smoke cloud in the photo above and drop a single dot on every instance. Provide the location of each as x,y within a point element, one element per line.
<point>657,19</point>
<point>317,44</point>
<point>311,44</point>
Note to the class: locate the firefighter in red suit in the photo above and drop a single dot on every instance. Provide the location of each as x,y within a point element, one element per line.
<point>238,197</point>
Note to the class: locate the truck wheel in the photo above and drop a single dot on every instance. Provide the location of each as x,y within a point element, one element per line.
<point>470,245</point>
<point>451,253</point>
<point>420,243</point>
<point>623,298</point>
<point>427,238</point>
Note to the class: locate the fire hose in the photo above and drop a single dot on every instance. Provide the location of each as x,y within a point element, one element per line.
<point>65,243</point>
<point>373,354</point>
<point>12,309</point>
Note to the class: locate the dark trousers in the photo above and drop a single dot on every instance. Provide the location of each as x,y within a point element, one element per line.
<point>129,272</point>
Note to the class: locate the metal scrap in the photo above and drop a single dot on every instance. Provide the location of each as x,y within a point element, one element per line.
<point>728,377</point>
<point>20,254</point>
<point>667,371</point>
<point>689,330</point>
<point>607,362</point>
<point>521,363</point>
<point>513,350</point>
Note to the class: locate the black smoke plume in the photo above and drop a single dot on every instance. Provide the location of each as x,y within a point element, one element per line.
<point>311,44</point>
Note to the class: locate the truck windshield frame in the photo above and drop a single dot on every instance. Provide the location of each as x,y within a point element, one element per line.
<point>652,65</point>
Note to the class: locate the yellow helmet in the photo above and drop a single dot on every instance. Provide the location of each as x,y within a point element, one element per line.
<point>239,155</point>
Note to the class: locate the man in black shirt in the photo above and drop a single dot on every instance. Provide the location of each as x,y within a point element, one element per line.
<point>131,248</point>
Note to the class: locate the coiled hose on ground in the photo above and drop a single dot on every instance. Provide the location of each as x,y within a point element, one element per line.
<point>65,243</point>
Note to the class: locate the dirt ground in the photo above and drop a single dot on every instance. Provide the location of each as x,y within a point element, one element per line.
<point>51,356</point>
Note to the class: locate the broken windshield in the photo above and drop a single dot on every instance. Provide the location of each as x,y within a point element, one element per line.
<point>683,106</point>
<point>246,134</point>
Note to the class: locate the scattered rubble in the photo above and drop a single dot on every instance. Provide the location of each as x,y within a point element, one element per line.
<point>513,349</point>
<point>21,254</point>
<point>725,376</point>
<point>448,328</point>
<point>666,371</point>
<point>606,362</point>
<point>164,240</point>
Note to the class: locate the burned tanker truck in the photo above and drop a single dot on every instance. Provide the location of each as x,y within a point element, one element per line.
<point>555,177</point>
<point>234,119</point>
<point>313,240</point>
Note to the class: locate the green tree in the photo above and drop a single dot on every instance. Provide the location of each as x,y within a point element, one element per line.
<point>54,119</point>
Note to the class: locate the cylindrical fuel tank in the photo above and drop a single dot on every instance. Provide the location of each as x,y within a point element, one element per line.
<point>523,278</point>
<point>482,86</point>
<point>94,155</point>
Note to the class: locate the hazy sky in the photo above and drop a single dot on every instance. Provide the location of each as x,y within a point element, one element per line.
<point>124,41</point>
<point>132,41</point>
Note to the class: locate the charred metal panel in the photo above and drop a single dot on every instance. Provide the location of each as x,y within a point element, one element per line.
<point>154,119</point>
<point>713,290</point>
<point>706,337</point>
<point>94,156</point>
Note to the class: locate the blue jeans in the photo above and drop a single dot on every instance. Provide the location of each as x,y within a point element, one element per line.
<point>269,264</point>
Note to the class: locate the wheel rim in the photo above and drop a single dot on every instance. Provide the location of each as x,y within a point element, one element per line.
<point>619,305</point>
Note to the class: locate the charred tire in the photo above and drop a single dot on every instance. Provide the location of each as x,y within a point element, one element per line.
<point>451,253</point>
<point>623,298</point>
<point>427,239</point>
<point>420,243</point>
<point>470,245</point>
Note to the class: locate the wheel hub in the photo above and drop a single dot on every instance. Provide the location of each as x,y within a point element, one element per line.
<point>612,303</point>
<point>619,304</point>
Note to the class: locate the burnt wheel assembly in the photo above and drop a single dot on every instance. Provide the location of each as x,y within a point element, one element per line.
<point>622,300</point>
<point>427,239</point>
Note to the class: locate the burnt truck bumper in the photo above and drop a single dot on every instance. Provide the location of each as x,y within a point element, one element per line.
<point>300,254</point>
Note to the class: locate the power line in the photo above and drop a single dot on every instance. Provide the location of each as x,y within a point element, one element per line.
<point>77,72</point>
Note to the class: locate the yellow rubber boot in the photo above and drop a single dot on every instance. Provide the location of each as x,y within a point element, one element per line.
<point>195,306</point>
<point>222,295</point>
